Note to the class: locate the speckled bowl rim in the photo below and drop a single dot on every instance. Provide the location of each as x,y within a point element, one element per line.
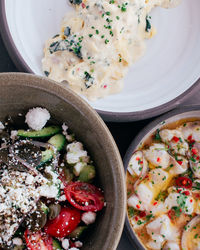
<point>106,115</point>
<point>184,109</point>
<point>58,90</point>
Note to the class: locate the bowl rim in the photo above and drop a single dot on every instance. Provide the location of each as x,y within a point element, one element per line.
<point>108,116</point>
<point>52,87</point>
<point>158,121</point>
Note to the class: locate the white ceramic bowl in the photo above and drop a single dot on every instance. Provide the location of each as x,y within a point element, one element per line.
<point>158,82</point>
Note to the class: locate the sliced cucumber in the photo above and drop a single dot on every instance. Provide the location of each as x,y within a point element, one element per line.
<point>45,132</point>
<point>77,233</point>
<point>87,173</point>
<point>56,245</point>
<point>44,208</point>
<point>58,141</point>
<point>47,155</point>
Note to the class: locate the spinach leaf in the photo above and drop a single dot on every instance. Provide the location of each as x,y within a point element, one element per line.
<point>75,1</point>
<point>148,24</point>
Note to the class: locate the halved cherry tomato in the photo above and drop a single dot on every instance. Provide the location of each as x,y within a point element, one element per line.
<point>184,182</point>
<point>38,240</point>
<point>84,196</point>
<point>66,222</point>
<point>171,214</point>
<point>175,139</point>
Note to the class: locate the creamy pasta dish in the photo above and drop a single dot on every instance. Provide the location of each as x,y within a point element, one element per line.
<point>163,184</point>
<point>97,43</point>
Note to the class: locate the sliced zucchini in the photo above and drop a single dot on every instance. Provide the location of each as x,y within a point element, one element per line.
<point>56,245</point>
<point>58,141</point>
<point>77,233</point>
<point>45,132</point>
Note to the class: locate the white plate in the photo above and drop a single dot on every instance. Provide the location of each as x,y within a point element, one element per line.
<point>156,83</point>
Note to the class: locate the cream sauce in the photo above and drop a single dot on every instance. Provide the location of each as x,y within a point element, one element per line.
<point>97,43</point>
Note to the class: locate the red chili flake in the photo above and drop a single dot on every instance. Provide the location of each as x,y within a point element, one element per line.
<point>158,159</point>
<point>186,192</point>
<point>146,176</point>
<point>137,158</point>
<point>83,5</point>
<point>175,139</point>
<point>138,206</point>
<point>142,214</point>
<point>179,190</point>
<point>180,210</point>
<point>197,158</point>
<point>180,162</point>
<point>155,203</point>
<point>105,86</point>
<point>194,151</point>
<point>141,162</point>
<point>136,218</point>
<point>191,200</point>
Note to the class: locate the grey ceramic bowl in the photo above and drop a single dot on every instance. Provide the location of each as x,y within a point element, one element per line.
<point>19,92</point>
<point>173,116</point>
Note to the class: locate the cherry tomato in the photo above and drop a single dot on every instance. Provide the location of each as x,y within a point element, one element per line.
<point>175,139</point>
<point>184,182</point>
<point>171,214</point>
<point>84,196</point>
<point>38,240</point>
<point>66,222</point>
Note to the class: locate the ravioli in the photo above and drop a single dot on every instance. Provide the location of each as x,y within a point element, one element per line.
<point>97,43</point>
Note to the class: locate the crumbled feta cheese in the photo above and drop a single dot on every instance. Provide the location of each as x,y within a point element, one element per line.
<point>69,138</point>
<point>78,168</point>
<point>13,134</point>
<point>1,125</point>
<point>88,217</point>
<point>16,200</point>
<point>52,188</point>
<point>17,241</point>
<point>78,244</point>
<point>75,152</point>
<point>65,244</point>
<point>64,127</point>
<point>36,118</point>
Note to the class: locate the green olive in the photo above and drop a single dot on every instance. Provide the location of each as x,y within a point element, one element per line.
<point>54,210</point>
<point>87,173</point>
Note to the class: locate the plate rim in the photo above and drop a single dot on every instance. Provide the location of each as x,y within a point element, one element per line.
<point>134,240</point>
<point>108,116</point>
